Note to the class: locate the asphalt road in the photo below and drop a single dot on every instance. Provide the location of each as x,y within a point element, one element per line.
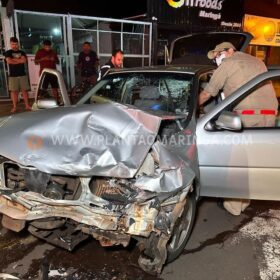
<point>221,247</point>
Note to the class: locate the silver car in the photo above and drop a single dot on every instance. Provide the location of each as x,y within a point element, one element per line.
<point>131,159</point>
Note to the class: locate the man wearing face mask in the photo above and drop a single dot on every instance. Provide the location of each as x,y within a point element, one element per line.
<point>259,109</point>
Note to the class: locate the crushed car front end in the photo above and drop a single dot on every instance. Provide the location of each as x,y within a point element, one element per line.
<point>126,185</point>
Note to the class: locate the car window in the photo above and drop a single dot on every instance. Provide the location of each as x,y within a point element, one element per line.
<point>111,90</point>
<point>78,91</point>
<point>151,91</point>
<point>213,101</point>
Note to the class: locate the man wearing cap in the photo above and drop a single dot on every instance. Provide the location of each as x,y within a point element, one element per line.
<point>259,109</point>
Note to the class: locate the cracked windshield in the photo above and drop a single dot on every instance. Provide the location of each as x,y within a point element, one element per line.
<point>166,92</point>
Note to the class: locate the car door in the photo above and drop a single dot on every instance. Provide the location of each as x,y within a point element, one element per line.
<point>44,97</point>
<point>239,163</point>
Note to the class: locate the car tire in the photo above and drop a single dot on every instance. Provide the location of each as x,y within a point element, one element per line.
<point>182,229</point>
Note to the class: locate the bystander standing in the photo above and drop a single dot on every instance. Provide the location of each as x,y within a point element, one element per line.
<point>18,80</point>
<point>46,57</point>
<point>116,61</point>
<point>88,63</point>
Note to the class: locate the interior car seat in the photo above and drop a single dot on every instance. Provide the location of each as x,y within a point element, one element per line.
<point>149,98</point>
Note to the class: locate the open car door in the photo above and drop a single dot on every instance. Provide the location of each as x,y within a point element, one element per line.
<point>237,161</point>
<point>47,97</point>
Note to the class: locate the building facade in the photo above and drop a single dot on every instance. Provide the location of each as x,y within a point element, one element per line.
<point>67,33</point>
<point>262,20</point>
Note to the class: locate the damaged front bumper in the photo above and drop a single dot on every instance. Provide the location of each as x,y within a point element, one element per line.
<point>99,210</point>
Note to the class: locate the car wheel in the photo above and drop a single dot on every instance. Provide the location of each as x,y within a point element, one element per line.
<point>182,229</point>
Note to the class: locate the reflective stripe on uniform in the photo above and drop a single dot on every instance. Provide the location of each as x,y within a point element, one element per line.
<point>258,112</point>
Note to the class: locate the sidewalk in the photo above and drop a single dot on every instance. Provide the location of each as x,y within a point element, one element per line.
<point>5,108</point>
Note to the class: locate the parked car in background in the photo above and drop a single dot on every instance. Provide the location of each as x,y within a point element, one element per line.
<point>131,159</point>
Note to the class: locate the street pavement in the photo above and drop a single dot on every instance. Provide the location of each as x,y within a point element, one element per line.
<point>221,247</point>
<point>5,108</point>
<point>226,247</point>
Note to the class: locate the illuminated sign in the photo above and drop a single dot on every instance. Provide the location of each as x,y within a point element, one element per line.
<point>266,31</point>
<point>198,15</point>
<point>176,4</point>
<point>202,4</point>
<point>208,4</point>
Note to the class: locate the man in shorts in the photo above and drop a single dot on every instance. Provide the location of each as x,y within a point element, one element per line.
<point>18,80</point>
<point>46,57</point>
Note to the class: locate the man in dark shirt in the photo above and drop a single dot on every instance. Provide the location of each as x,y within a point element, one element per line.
<point>46,57</point>
<point>18,80</point>
<point>88,63</point>
<point>116,61</point>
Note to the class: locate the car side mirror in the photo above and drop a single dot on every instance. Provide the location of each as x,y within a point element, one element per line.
<point>229,121</point>
<point>46,104</point>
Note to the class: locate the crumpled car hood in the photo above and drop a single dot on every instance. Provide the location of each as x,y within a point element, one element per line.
<point>89,140</point>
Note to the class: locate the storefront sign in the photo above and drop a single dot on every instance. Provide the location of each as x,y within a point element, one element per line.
<point>199,14</point>
<point>209,4</point>
<point>266,31</point>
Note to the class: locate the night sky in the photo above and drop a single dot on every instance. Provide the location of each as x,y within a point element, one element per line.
<point>98,8</point>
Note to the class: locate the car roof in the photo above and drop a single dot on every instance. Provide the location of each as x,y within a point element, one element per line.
<point>187,69</point>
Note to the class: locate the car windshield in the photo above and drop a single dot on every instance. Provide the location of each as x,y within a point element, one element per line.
<point>151,91</point>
